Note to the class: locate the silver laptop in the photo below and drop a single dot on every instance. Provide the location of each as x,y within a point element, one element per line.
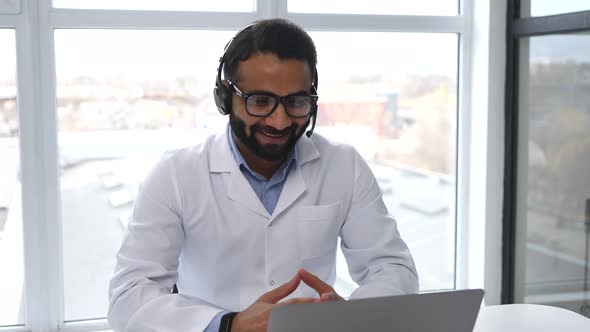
<point>454,311</point>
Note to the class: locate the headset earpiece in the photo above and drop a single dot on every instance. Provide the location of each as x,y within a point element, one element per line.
<point>223,98</point>
<point>221,93</point>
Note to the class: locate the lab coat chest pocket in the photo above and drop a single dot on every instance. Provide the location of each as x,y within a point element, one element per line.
<point>318,229</point>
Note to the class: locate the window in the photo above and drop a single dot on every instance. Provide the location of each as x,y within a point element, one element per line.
<point>118,112</point>
<point>398,108</point>
<point>11,230</point>
<point>553,225</point>
<point>548,218</point>
<point>144,97</point>
<point>116,83</point>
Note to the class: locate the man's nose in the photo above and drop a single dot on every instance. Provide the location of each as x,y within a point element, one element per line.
<point>279,119</point>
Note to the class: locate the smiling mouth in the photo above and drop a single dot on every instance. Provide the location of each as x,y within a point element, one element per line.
<point>272,135</point>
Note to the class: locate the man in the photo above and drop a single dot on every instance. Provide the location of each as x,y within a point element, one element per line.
<point>250,218</point>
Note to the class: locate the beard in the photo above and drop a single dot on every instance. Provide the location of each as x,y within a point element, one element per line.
<point>268,152</point>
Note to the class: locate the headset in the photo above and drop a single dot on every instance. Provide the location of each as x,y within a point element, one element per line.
<point>223,95</point>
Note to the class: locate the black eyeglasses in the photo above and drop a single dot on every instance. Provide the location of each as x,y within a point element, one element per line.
<point>263,103</point>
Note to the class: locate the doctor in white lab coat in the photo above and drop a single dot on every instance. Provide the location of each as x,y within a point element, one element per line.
<point>201,220</point>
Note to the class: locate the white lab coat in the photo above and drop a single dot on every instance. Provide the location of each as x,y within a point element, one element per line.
<point>198,223</point>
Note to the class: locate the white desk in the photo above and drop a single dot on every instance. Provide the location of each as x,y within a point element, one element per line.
<point>529,317</point>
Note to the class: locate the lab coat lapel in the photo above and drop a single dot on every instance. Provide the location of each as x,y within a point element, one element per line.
<point>293,188</point>
<point>238,189</point>
<point>295,184</point>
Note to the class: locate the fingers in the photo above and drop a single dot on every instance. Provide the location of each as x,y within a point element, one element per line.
<point>299,300</point>
<point>282,291</point>
<point>314,282</point>
<point>326,297</point>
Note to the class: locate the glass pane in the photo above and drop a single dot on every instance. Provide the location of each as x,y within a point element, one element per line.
<point>12,299</point>
<point>379,7</point>
<point>180,5</point>
<point>554,186</point>
<point>397,105</point>
<point>552,7</point>
<point>123,98</point>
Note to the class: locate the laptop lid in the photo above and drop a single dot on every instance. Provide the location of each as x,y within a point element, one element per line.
<point>454,311</point>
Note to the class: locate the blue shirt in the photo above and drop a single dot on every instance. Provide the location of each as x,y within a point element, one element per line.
<point>268,191</point>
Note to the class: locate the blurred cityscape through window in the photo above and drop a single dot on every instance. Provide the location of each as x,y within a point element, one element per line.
<point>553,223</point>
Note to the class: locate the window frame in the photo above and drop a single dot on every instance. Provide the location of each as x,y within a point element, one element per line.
<point>34,23</point>
<point>521,28</point>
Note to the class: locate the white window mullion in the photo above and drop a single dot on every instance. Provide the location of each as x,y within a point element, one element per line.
<point>9,10</point>
<point>39,172</point>
<point>282,9</point>
<point>463,151</point>
<point>10,6</point>
<point>51,170</point>
<point>386,23</point>
<point>479,237</point>
<point>271,8</point>
<point>8,21</point>
<point>494,189</point>
<point>264,8</point>
<point>143,19</point>
<point>94,325</point>
<point>14,329</point>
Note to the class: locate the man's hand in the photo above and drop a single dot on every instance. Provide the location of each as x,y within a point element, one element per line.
<point>326,292</point>
<point>255,317</point>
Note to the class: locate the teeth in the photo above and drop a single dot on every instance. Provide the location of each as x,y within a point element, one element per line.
<point>271,135</point>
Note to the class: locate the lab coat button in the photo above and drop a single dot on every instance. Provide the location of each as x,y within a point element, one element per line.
<point>272,282</point>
